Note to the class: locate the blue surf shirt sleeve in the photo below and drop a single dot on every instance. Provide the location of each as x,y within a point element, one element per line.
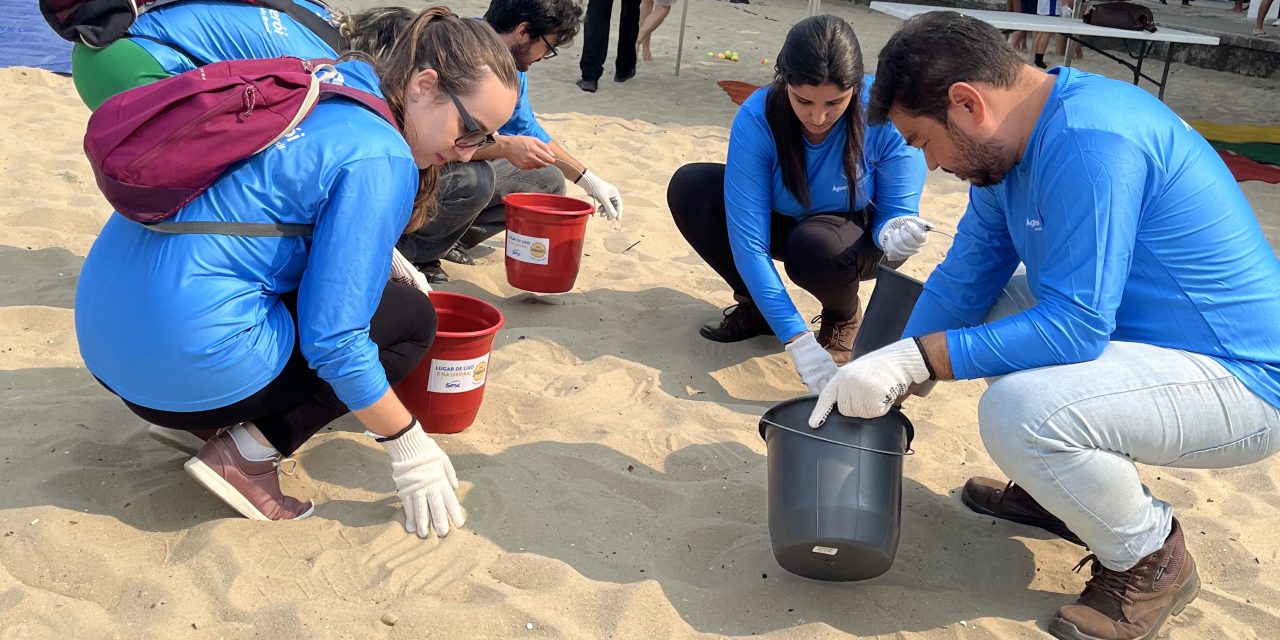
<point>1089,209</point>
<point>900,172</point>
<point>748,177</point>
<point>962,289</point>
<point>523,122</point>
<point>350,260</point>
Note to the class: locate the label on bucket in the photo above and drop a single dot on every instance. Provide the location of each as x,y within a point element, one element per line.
<point>826,551</point>
<point>528,248</point>
<point>457,376</point>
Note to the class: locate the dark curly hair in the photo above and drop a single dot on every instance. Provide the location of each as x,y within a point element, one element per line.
<point>930,53</point>
<point>545,17</point>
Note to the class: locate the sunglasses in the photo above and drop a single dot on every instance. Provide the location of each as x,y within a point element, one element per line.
<point>551,49</point>
<point>475,137</point>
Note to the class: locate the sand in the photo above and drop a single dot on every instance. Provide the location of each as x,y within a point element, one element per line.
<point>614,480</point>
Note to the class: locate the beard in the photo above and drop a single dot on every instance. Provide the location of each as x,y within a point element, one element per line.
<point>983,164</point>
<point>520,53</point>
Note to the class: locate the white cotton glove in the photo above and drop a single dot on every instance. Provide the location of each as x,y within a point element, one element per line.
<point>425,482</point>
<point>903,236</point>
<point>606,194</point>
<point>813,363</point>
<point>868,386</point>
<point>404,272</point>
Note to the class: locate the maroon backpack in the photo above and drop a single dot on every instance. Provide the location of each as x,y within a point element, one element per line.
<point>157,147</point>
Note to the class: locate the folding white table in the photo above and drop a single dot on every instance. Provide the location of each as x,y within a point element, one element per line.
<point>1073,29</point>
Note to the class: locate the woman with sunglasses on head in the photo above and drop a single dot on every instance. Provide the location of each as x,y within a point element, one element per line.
<point>257,343</point>
<point>810,183</point>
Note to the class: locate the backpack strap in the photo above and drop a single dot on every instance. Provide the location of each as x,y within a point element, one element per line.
<point>305,17</point>
<point>253,229</point>
<point>366,99</point>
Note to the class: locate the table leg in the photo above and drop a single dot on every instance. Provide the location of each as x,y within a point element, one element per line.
<point>684,16</point>
<point>1168,58</point>
<point>1144,48</point>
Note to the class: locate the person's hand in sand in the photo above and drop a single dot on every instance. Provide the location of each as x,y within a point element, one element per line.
<point>425,481</point>
<point>605,194</point>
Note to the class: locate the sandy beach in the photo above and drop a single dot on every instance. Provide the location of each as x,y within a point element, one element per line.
<point>614,481</point>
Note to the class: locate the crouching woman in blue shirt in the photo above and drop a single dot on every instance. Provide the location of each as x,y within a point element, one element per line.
<point>258,343</point>
<point>809,183</point>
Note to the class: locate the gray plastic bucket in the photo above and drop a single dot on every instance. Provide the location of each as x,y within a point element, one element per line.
<point>835,493</point>
<point>888,310</point>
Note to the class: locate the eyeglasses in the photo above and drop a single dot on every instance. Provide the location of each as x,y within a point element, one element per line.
<point>551,49</point>
<point>475,137</point>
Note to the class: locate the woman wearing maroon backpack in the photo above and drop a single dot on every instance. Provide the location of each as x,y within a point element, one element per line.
<point>256,343</point>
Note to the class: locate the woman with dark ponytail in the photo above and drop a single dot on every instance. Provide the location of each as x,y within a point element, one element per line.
<point>809,183</point>
<point>242,348</point>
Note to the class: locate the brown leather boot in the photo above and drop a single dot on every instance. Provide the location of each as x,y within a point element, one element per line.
<point>1131,605</point>
<point>251,487</point>
<point>836,335</point>
<point>1008,501</point>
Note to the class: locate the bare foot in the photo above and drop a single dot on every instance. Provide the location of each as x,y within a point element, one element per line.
<point>1259,32</point>
<point>648,54</point>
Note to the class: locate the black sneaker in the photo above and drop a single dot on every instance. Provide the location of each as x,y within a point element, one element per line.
<point>458,255</point>
<point>434,272</point>
<point>589,86</point>
<point>742,321</point>
<point>623,77</point>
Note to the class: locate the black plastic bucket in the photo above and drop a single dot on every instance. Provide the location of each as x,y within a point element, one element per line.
<point>888,310</point>
<point>835,493</point>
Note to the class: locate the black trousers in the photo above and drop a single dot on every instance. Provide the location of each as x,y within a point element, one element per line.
<point>297,404</point>
<point>595,37</point>
<point>826,255</point>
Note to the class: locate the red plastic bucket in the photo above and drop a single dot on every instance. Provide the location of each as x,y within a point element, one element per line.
<point>544,240</point>
<point>445,391</point>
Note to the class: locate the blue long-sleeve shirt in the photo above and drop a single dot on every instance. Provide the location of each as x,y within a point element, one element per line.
<point>195,322</point>
<point>1131,229</point>
<point>215,30</point>
<point>523,122</point>
<point>891,178</point>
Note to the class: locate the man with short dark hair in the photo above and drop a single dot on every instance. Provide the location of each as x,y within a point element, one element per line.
<point>1143,329</point>
<point>523,159</point>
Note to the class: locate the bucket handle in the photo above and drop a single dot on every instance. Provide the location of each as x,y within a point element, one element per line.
<point>812,433</point>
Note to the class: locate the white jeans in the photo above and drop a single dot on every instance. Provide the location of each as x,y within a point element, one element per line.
<point>1070,435</point>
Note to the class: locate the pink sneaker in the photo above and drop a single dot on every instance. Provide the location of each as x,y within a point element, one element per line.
<point>251,487</point>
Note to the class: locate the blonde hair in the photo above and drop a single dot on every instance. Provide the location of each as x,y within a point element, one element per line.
<point>462,52</point>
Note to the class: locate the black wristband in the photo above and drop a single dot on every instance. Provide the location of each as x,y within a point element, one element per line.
<point>924,355</point>
<point>412,423</point>
<point>581,174</point>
